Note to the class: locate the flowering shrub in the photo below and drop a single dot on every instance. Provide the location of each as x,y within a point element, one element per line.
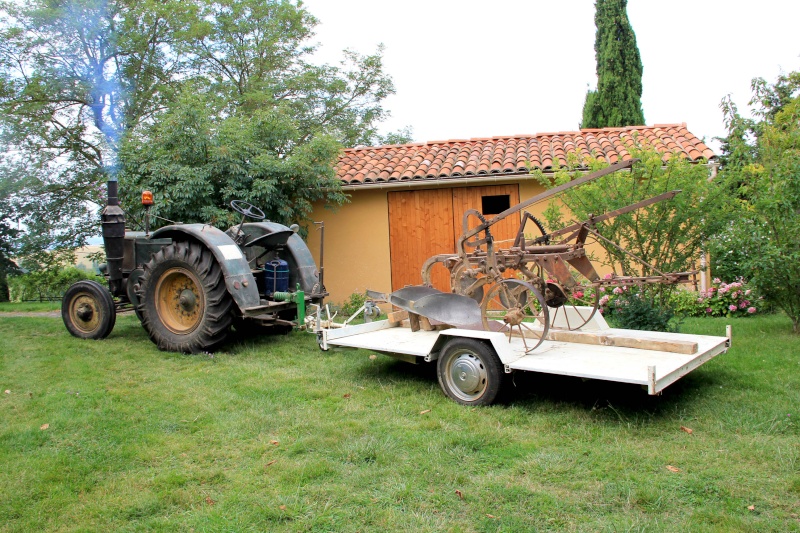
<point>610,295</point>
<point>629,308</point>
<point>721,299</point>
<point>728,299</point>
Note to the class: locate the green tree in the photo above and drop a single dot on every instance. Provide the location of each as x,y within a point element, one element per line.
<point>74,77</point>
<point>668,235</point>
<point>762,167</point>
<point>258,122</point>
<point>90,87</point>
<point>195,165</point>
<point>402,136</point>
<point>618,98</point>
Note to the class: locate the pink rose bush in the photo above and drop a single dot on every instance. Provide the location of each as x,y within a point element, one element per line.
<point>721,299</point>
<point>727,299</point>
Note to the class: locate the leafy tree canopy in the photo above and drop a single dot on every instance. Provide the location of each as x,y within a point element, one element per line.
<point>200,101</point>
<point>618,98</point>
<point>668,235</point>
<point>762,167</point>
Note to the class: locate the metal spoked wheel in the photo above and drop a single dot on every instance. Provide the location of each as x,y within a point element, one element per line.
<point>575,307</point>
<point>517,308</point>
<point>469,372</point>
<point>463,283</point>
<point>88,310</point>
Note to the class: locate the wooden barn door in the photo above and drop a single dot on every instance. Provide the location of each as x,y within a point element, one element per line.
<point>490,201</point>
<point>428,222</point>
<point>420,225</point>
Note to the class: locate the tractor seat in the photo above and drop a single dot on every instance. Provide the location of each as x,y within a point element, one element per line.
<point>270,241</point>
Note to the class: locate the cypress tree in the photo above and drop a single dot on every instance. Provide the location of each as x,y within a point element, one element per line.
<point>618,98</point>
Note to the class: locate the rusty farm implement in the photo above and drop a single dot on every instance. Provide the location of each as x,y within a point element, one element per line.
<point>543,280</point>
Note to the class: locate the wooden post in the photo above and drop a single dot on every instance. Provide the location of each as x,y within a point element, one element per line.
<point>413,319</point>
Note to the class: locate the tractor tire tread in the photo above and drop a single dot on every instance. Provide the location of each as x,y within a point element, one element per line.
<point>217,315</point>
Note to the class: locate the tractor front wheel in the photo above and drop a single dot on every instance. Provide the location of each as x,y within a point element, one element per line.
<point>183,301</point>
<point>88,310</point>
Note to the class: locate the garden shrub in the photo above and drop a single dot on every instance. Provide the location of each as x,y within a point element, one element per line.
<point>47,284</point>
<point>685,302</point>
<point>352,304</point>
<point>630,308</point>
<point>729,299</point>
<point>737,298</point>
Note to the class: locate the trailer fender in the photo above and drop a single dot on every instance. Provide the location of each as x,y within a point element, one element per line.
<point>496,340</point>
<point>239,280</point>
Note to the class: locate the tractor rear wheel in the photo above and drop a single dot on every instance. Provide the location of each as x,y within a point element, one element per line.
<point>183,301</point>
<point>88,311</point>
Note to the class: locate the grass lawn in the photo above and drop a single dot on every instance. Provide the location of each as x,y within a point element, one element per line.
<point>275,435</point>
<point>29,307</point>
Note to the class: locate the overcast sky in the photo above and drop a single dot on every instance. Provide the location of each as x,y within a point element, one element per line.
<point>465,68</point>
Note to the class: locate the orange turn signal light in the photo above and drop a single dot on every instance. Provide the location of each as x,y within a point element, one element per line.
<point>147,198</point>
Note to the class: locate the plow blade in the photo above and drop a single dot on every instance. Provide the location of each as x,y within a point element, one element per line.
<point>452,309</point>
<point>443,307</point>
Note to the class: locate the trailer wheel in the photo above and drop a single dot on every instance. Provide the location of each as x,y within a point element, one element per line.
<point>88,310</point>
<point>470,372</point>
<point>184,303</point>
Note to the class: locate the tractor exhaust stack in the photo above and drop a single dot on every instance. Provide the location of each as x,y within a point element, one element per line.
<point>113,219</point>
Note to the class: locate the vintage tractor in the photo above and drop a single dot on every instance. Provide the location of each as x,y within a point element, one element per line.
<point>191,284</point>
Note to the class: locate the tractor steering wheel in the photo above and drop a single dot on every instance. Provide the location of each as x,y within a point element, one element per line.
<point>248,210</point>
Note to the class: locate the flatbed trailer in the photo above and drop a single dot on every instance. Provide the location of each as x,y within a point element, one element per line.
<point>472,364</point>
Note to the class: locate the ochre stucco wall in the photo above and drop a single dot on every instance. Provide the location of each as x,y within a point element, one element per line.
<point>356,245</point>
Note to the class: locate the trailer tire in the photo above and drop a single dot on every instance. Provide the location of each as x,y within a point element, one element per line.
<point>183,300</point>
<point>469,372</point>
<point>88,311</point>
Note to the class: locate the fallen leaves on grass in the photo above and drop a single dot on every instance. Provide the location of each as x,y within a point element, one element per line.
<point>209,501</point>
<point>751,507</point>
<point>460,494</point>
<point>425,411</point>
<point>271,463</point>
<point>491,515</point>
<point>687,430</point>
<point>346,395</point>
<point>44,427</point>
<point>673,468</point>
<point>282,507</point>
<point>274,442</point>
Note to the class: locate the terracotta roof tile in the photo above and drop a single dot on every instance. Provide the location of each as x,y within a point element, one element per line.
<point>479,157</point>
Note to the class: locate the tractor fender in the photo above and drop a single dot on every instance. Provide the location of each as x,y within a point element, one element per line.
<point>239,279</point>
<point>302,267</point>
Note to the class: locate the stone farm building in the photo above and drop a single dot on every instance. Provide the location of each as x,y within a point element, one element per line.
<point>407,201</point>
